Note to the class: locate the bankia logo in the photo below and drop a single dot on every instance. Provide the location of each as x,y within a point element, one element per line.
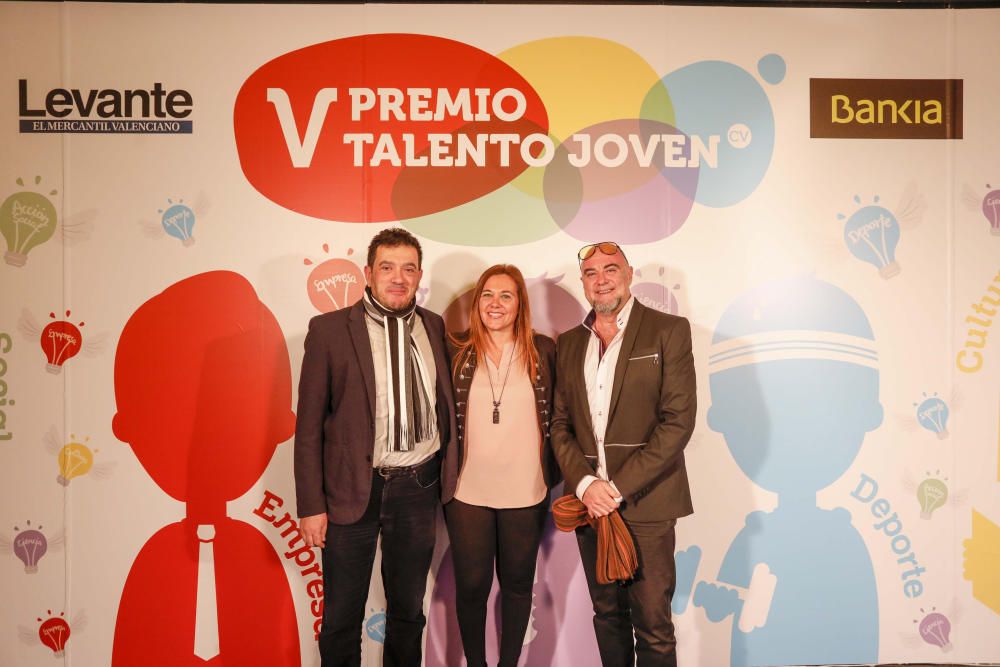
<point>885,108</point>
<point>156,110</point>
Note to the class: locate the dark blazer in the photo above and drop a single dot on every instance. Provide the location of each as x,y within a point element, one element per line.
<point>651,417</point>
<point>543,382</point>
<point>335,425</point>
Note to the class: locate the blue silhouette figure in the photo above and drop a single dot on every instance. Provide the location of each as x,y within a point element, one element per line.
<point>795,388</point>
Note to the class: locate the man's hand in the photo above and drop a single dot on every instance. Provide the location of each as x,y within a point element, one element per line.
<point>600,499</point>
<point>313,529</point>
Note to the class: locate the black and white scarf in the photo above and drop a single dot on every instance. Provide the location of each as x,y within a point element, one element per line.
<point>411,411</point>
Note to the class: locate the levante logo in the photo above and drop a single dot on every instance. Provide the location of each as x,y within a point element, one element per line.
<point>105,111</point>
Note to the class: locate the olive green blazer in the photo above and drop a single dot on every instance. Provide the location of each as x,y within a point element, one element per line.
<point>651,417</point>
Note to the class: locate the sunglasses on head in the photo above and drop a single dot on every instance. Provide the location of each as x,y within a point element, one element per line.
<point>606,247</point>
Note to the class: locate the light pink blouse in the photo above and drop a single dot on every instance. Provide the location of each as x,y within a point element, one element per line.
<point>503,465</point>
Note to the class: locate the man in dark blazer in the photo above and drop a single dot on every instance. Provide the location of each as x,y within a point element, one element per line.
<point>375,414</point>
<point>624,410</point>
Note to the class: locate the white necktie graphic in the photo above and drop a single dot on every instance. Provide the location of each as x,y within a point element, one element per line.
<point>206,614</point>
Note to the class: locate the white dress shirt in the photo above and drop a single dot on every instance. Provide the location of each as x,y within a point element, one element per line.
<point>599,372</point>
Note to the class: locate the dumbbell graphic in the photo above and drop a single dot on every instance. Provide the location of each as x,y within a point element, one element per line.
<point>750,605</point>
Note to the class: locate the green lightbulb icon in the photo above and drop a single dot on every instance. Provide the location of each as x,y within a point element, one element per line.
<point>27,219</point>
<point>931,494</point>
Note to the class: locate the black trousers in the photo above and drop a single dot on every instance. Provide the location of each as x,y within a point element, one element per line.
<point>642,605</point>
<point>404,509</point>
<point>481,538</point>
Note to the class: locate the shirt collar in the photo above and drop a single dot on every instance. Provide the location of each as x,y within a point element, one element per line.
<point>622,319</point>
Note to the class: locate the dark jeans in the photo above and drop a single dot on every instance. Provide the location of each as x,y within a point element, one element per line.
<point>480,537</point>
<point>643,604</point>
<point>404,509</point>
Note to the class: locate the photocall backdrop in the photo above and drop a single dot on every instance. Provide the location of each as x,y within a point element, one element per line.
<point>183,187</point>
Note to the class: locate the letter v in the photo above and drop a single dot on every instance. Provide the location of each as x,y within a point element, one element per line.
<point>301,153</point>
<point>84,107</point>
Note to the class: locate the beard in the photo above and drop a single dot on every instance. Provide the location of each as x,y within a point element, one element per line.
<point>608,307</point>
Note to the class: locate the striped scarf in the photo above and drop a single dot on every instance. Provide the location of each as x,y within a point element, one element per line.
<point>617,560</point>
<point>411,411</point>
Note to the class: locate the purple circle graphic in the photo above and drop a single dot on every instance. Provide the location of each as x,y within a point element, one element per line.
<point>631,174</point>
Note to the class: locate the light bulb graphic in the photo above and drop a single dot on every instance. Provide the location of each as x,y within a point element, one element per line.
<point>178,221</point>
<point>375,626</point>
<point>61,340</point>
<point>935,629</point>
<point>75,459</point>
<point>29,546</point>
<point>931,494</point>
<point>872,234</point>
<point>27,219</point>
<point>656,295</point>
<point>991,209</point>
<point>54,633</point>
<point>334,284</point>
<point>932,413</point>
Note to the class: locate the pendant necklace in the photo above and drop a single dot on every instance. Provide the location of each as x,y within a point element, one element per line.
<point>493,394</point>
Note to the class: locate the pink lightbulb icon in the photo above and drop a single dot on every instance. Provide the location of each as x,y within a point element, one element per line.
<point>935,629</point>
<point>29,546</point>
<point>991,209</point>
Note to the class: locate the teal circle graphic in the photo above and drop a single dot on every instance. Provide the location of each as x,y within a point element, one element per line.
<point>772,68</point>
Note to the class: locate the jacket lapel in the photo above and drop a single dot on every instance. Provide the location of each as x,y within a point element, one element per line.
<point>358,330</point>
<point>628,342</point>
<point>435,337</point>
<point>578,357</point>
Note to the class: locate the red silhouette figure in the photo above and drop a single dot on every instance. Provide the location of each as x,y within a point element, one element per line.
<point>203,389</point>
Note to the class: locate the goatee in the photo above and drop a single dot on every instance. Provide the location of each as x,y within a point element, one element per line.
<point>608,307</point>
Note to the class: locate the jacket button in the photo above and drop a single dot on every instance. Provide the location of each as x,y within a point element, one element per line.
<point>368,458</point>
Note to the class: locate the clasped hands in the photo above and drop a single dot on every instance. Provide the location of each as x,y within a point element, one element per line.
<point>600,498</point>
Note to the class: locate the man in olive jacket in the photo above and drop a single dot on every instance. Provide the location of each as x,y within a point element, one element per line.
<point>624,410</point>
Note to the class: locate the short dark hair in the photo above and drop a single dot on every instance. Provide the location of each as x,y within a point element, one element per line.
<point>392,238</point>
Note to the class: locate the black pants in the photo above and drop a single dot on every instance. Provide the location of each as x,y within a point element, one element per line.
<point>404,509</point>
<point>509,538</point>
<point>643,604</point>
